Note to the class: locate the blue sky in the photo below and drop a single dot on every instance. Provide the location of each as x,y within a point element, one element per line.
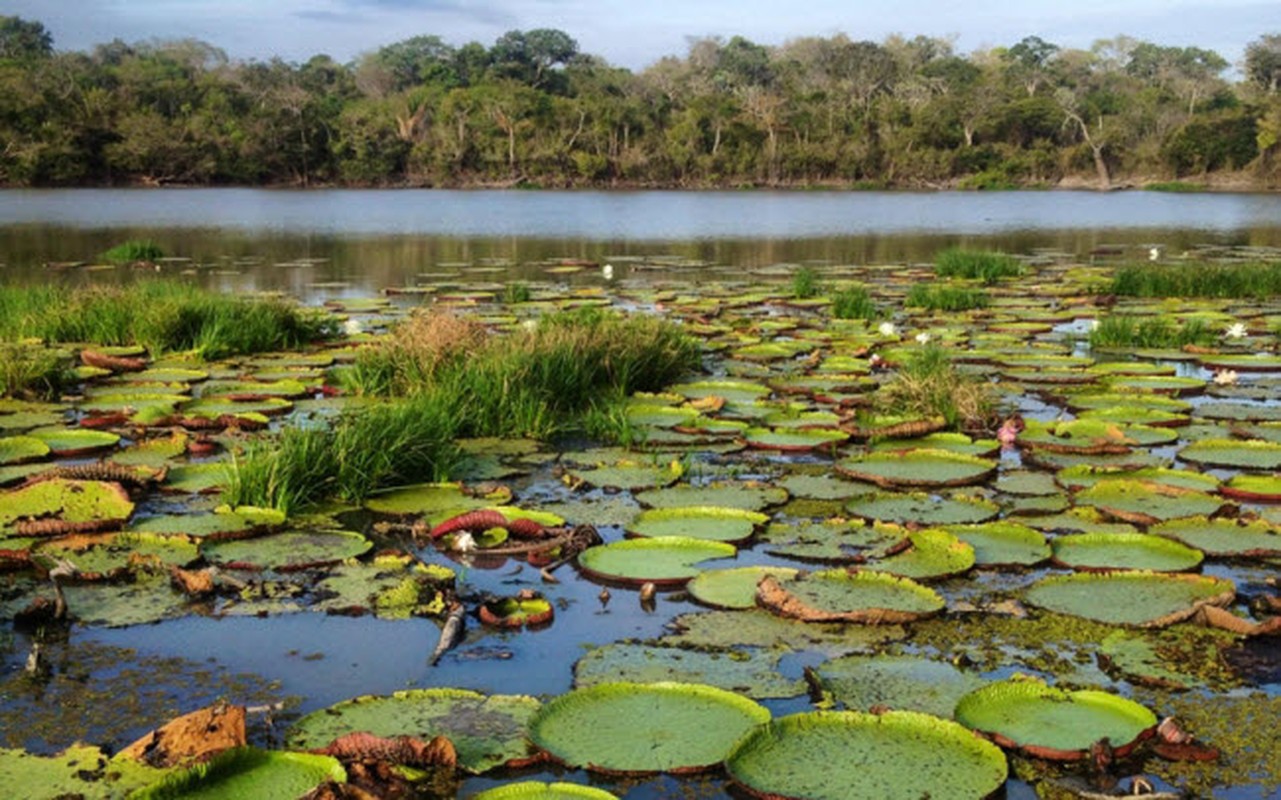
<point>636,33</point>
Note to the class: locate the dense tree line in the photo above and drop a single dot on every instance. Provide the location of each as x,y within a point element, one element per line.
<point>533,109</point>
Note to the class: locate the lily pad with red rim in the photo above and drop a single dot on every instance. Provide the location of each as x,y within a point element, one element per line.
<point>750,495</point>
<point>436,502</point>
<point>640,728</point>
<point>1143,503</point>
<point>1133,599</point>
<point>77,505</point>
<point>793,440</point>
<point>1085,476</point>
<point>934,553</point>
<point>1253,488</point>
<point>1225,538</point>
<point>64,442</point>
<point>537,790</point>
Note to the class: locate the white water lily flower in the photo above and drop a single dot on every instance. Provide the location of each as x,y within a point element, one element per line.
<point>464,543</point>
<point>887,329</point>
<point>923,337</point>
<point>1225,377</point>
<point>608,272</point>
<point>1235,331</point>
<point>351,327</point>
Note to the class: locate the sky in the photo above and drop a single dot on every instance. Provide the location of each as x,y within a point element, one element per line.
<point>637,33</point>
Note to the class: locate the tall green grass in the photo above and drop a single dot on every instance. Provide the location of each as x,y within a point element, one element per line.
<point>945,297</point>
<point>132,251</point>
<point>1260,279</point>
<point>451,378</point>
<point>928,384</point>
<point>1122,330</point>
<point>854,302</point>
<point>34,371</point>
<point>805,284</point>
<point>160,315</point>
<point>981,265</point>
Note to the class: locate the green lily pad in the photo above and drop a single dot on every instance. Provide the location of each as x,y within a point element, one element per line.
<point>1108,551</point>
<point>934,553</point>
<point>734,587</point>
<point>748,496</point>
<point>944,440</point>
<point>437,502</point>
<point>923,468</point>
<point>197,478</point>
<point>629,475</point>
<point>835,595</point>
<point>698,522</point>
<point>154,453</point>
<point>818,487</point>
<point>390,588</point>
<point>1086,435</point>
<point>1253,488</point>
<point>903,683</point>
<point>1133,599</point>
<point>1164,384</point>
<point>793,439</point>
<point>833,755</point>
<point>1239,412</point>
<point>75,441</point>
<point>26,420</point>
<point>664,561</point>
<point>110,555</point>
<point>248,772</point>
<point>486,730</point>
<point>1084,476</point>
<point>1145,503</point>
<point>922,508</point>
<point>1135,415</point>
<point>1084,402</point>
<point>537,790</point>
<point>218,406</point>
<point>1225,538</point>
<point>21,449</point>
<point>750,673</point>
<point>94,505</point>
<point>834,542</point>
<point>1234,453</point>
<point>77,771</point>
<point>290,550</point>
<point>1049,722</point>
<point>1138,659</point>
<point>732,391</point>
<point>636,727</point>
<point>657,416</point>
<point>146,599</point>
<point>723,630</point>
<point>198,526</point>
<point>1003,543</point>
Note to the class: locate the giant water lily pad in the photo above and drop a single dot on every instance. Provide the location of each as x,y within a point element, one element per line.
<point>723,630</point>
<point>628,475</point>
<point>77,771</point>
<point>1052,723</point>
<point>747,495</point>
<point>1110,551</point>
<point>636,727</point>
<point>1253,488</point>
<point>289,550</point>
<point>1135,599</point>
<point>819,487</point>
<point>732,391</point>
<point>836,595</point>
<point>75,441</point>
<point>922,468</point>
<point>734,587</point>
<point>435,501</point>
<point>944,440</point>
<point>486,730</point>
<point>664,561</point>
<point>833,541</point>
<point>934,553</point>
<point>197,478</point>
<point>1224,537</point>
<point>1084,476</point>
<point>903,683</point>
<point>537,790</point>
<point>1145,503</point>
<point>248,772</point>
<point>82,505</point>
<point>110,555</point>
<point>922,508</point>
<point>751,673</point>
<point>834,755</point>
<point>795,440</point>
<point>698,522</point>
<point>1233,453</point>
<point>1003,543</point>
<point>20,449</point>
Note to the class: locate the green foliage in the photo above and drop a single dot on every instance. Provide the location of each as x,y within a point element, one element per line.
<point>160,315</point>
<point>854,302</point>
<point>1224,140</point>
<point>133,251</point>
<point>945,297</point>
<point>516,293</point>
<point>1121,330</point>
<point>928,385</point>
<point>1176,187</point>
<point>28,370</point>
<point>1198,280</point>
<point>805,284</point>
<point>981,265</point>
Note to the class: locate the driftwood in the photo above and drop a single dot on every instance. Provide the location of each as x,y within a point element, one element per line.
<point>450,633</point>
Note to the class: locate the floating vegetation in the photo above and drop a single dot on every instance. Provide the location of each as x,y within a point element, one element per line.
<point>981,265</point>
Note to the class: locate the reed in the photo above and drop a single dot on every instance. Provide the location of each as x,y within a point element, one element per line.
<point>1123,330</point>
<point>983,265</point>
<point>1247,280</point>
<point>854,302</point>
<point>945,297</point>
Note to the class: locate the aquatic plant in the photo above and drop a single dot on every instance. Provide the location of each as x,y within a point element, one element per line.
<point>945,297</point>
<point>927,385</point>
<point>29,370</point>
<point>516,293</point>
<point>805,284</point>
<point>161,316</point>
<point>1127,330</point>
<point>854,302</point>
<point>1255,279</point>
<point>983,265</point>
<point>132,251</point>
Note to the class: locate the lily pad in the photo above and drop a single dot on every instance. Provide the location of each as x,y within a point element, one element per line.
<point>1003,543</point>
<point>21,449</point>
<point>664,561</point>
<point>1085,476</point>
<point>732,391</point>
<point>290,550</point>
<point>537,790</point>
<point>818,487</point>
<point>758,628</point>
<point>835,595</point>
<point>1048,722</point>
<point>934,553</point>
<point>486,730</point>
<point>922,468</point>
<point>628,475</point>
<point>1234,453</point>
<point>1145,503</point>
<point>922,508</point>
<point>635,727</point>
<point>734,587</point>
<point>248,772</point>
<point>833,755</point>
<point>64,442</point>
<point>437,502</point>
<point>1253,488</point>
<point>1111,551</point>
<point>1225,538</point>
<point>903,683</point>
<point>1133,599</point>
<point>698,522</point>
<point>833,541</point>
<point>79,505</point>
<point>750,673</point>
<point>750,496</point>
<point>197,478</point>
<point>793,440</point>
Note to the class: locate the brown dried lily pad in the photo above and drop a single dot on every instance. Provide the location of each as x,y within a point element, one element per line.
<point>192,737</point>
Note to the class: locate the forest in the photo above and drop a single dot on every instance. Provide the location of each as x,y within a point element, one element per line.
<point>532,110</point>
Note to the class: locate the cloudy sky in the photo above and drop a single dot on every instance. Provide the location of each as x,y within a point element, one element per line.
<point>638,32</point>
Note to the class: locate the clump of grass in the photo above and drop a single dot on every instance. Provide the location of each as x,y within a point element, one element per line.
<point>160,315</point>
<point>1122,330</point>
<point>805,284</point>
<point>854,302</point>
<point>1174,186</point>
<point>1198,280</point>
<point>33,371</point>
<point>945,297</point>
<point>983,265</point>
<point>133,251</point>
<point>416,354</point>
<point>607,420</point>
<point>514,293</point>
<point>928,384</point>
